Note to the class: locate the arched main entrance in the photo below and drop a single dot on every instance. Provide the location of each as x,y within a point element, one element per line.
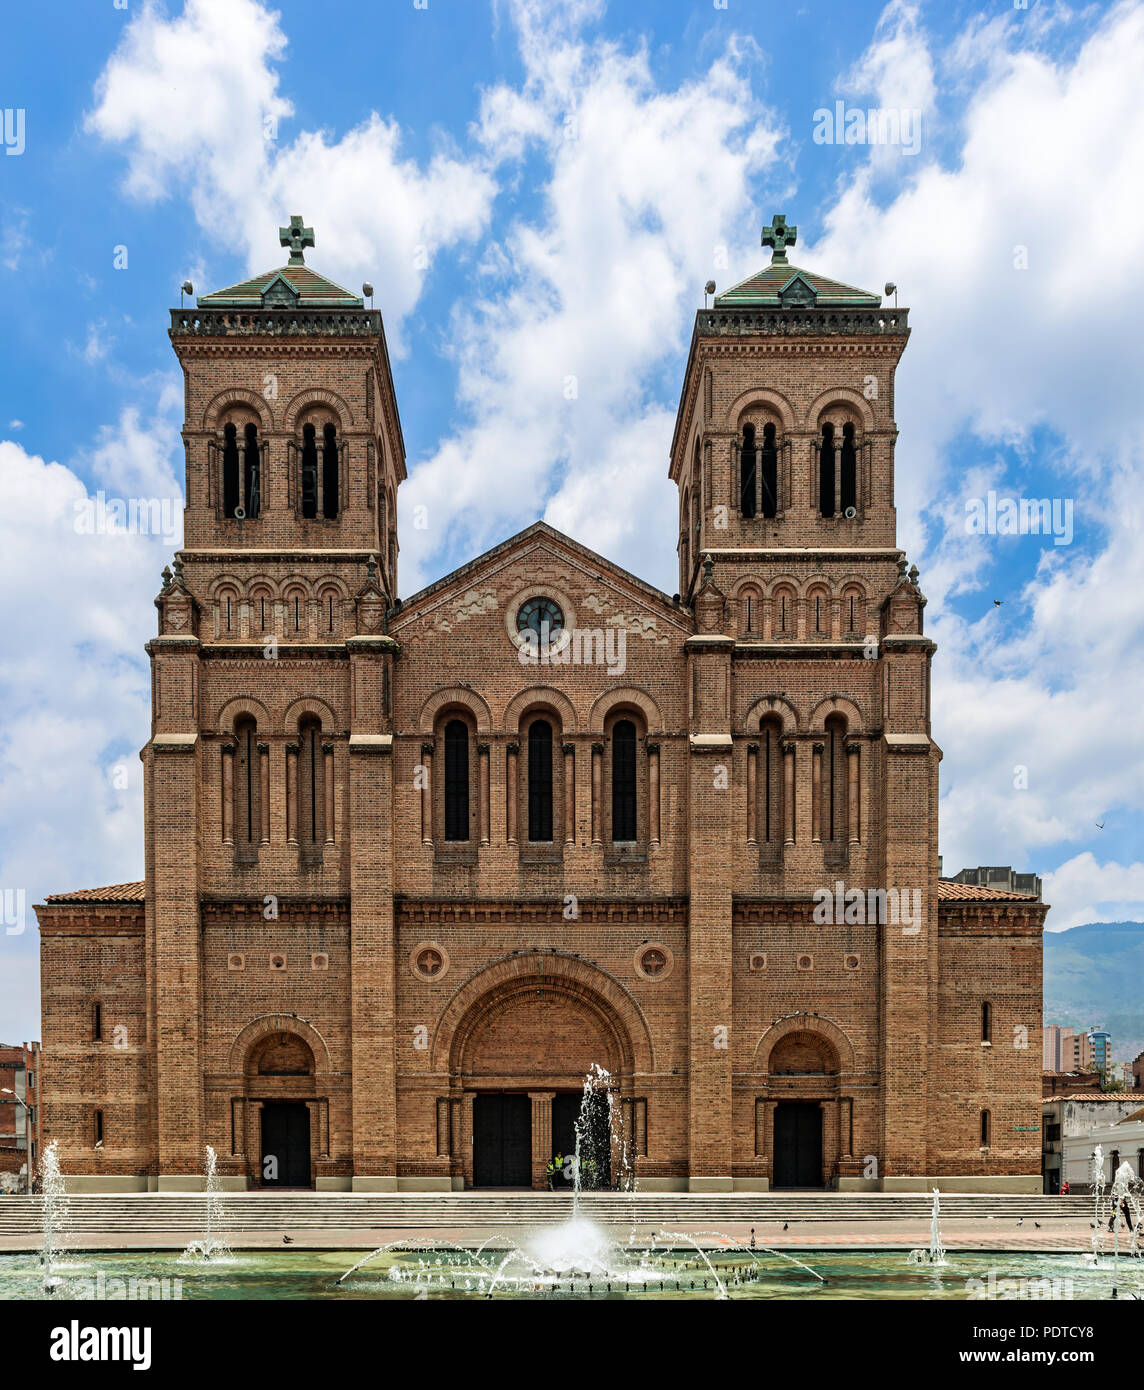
<point>518,1041</point>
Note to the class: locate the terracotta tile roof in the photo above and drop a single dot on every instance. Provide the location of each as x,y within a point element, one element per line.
<point>948,891</point>
<point>115,893</point>
<point>1092,1095</point>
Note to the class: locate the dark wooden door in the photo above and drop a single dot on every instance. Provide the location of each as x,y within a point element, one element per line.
<point>798,1144</point>
<point>285,1144</point>
<point>595,1142</point>
<point>502,1141</point>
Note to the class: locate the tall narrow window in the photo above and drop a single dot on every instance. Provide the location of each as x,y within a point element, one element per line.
<point>252,482</point>
<point>624,781</point>
<point>329,471</point>
<point>97,1023</point>
<point>986,1022</point>
<point>834,828</point>
<point>771,779</point>
<point>770,472</point>
<point>230,489</point>
<point>311,788</point>
<point>540,781</point>
<point>849,473</point>
<point>247,822</point>
<point>97,1127</point>
<point>826,471</point>
<point>309,472</point>
<point>456,780</point>
<point>747,467</point>
<point>986,1128</point>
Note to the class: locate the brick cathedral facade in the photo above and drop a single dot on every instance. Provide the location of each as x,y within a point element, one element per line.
<point>415,864</point>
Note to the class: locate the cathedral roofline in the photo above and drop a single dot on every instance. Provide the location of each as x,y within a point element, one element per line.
<point>542,528</point>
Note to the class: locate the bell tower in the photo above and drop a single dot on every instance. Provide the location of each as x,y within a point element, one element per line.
<point>809,677</point>
<point>272,681</point>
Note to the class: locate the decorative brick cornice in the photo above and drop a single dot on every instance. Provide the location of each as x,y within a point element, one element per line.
<point>547,912</point>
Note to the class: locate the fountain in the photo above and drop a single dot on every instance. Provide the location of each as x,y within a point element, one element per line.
<point>1096,1173</point>
<point>210,1248</point>
<point>1124,1195</point>
<point>55,1212</point>
<point>578,1256</point>
<point>935,1255</point>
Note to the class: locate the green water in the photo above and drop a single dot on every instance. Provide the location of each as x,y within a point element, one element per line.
<point>455,1273</point>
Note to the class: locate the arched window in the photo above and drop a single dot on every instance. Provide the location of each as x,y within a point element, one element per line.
<point>309,471</point>
<point>769,460</point>
<point>853,610</point>
<point>826,471</point>
<point>262,610</point>
<point>986,1022</point>
<point>834,825</point>
<point>624,782</point>
<point>329,472</point>
<point>247,812</point>
<point>227,612</point>
<point>252,482</point>
<point>849,473</point>
<point>540,781</point>
<point>771,784</point>
<point>329,613</point>
<point>986,1128</point>
<point>456,780</point>
<point>784,613</point>
<point>297,619</point>
<point>311,790</point>
<point>747,472</point>
<point>230,489</point>
<point>750,612</point>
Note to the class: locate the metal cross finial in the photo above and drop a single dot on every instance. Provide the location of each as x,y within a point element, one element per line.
<point>779,236</point>
<point>296,237</point>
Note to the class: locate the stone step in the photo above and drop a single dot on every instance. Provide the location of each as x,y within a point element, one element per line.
<point>153,1212</point>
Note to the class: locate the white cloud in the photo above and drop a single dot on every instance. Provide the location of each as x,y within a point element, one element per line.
<point>1084,890</point>
<point>71,805</point>
<point>591,298</point>
<point>1048,161</point>
<point>196,102</point>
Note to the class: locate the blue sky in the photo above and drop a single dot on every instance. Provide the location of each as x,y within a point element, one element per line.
<point>538,191</point>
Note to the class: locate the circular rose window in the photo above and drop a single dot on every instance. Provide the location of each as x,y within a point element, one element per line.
<point>429,960</point>
<point>538,615</point>
<point>654,960</point>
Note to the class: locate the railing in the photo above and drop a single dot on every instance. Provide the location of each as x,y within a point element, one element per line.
<point>221,323</point>
<point>793,322</point>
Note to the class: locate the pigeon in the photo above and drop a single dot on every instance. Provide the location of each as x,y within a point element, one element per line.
<point>1099,824</point>
<point>1037,1224</point>
<point>785,1224</point>
<point>1020,1221</point>
<point>997,602</point>
<point>287,1240</point>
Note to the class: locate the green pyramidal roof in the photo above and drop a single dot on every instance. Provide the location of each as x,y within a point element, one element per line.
<point>294,285</point>
<point>785,286</point>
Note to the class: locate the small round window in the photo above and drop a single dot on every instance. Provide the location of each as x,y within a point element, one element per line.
<point>537,614</point>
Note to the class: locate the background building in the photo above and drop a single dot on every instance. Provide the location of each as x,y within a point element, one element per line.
<point>19,1113</point>
<point>1003,877</point>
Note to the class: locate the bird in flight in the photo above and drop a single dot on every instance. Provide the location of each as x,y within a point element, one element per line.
<point>1099,824</point>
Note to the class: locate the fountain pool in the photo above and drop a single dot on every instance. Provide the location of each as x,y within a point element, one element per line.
<point>442,1271</point>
